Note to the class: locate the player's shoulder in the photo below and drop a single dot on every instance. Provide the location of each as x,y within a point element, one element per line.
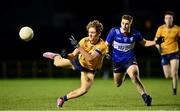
<point>162,26</point>
<point>101,46</point>
<point>135,31</point>
<point>102,42</point>
<point>176,26</point>
<point>85,39</point>
<point>115,30</point>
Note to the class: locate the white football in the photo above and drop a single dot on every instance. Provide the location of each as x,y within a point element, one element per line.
<point>26,33</point>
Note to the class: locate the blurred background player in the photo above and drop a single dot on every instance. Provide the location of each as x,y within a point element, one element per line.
<point>169,50</point>
<point>121,42</point>
<point>86,58</point>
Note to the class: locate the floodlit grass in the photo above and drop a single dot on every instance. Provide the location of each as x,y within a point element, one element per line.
<point>41,94</point>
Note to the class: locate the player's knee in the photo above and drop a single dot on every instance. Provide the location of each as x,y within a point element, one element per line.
<point>118,83</point>
<point>175,75</point>
<point>134,79</point>
<point>168,76</point>
<point>84,91</point>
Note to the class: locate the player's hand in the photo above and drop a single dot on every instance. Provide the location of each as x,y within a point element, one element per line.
<point>160,40</point>
<point>74,42</point>
<point>64,54</point>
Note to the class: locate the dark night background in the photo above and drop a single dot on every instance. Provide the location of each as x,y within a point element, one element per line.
<point>53,21</point>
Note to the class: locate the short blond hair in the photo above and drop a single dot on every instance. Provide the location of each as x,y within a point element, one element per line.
<point>96,24</point>
<point>127,17</point>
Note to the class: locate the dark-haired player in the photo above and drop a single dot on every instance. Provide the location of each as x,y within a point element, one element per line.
<point>169,50</point>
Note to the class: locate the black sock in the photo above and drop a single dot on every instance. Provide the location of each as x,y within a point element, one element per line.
<point>174,91</point>
<point>144,96</point>
<point>65,98</point>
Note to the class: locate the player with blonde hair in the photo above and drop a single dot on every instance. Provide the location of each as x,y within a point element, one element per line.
<point>86,58</point>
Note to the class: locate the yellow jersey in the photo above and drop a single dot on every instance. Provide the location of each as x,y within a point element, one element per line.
<point>171,35</point>
<point>100,47</point>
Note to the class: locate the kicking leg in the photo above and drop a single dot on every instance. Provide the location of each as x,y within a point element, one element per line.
<point>62,62</point>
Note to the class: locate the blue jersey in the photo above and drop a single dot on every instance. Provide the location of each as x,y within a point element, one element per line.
<point>122,46</point>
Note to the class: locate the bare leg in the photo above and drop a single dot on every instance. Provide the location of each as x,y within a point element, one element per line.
<point>118,79</point>
<point>167,71</point>
<point>86,83</point>
<point>62,62</point>
<point>133,72</point>
<point>174,73</point>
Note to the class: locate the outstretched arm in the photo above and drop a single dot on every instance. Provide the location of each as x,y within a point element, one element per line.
<point>159,39</point>
<point>147,43</point>
<point>156,41</point>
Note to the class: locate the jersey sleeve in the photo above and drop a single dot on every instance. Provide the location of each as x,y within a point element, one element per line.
<point>101,48</point>
<point>179,32</point>
<point>81,42</point>
<point>110,36</point>
<point>158,32</point>
<point>139,37</point>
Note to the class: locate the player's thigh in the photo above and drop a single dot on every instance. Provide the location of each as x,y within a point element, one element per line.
<point>118,76</point>
<point>174,65</point>
<point>133,71</point>
<point>167,70</point>
<point>87,79</point>
<point>64,63</point>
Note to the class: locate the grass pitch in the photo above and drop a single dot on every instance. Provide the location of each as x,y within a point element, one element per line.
<point>41,94</point>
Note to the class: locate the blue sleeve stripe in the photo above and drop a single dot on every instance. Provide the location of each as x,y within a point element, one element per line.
<point>99,52</point>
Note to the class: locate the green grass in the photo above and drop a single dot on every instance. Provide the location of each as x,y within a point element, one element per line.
<point>41,94</point>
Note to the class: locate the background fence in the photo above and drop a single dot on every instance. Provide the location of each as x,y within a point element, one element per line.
<point>149,67</point>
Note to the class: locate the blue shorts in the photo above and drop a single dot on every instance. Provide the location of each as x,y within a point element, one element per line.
<point>165,59</point>
<point>123,66</point>
<point>78,66</point>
